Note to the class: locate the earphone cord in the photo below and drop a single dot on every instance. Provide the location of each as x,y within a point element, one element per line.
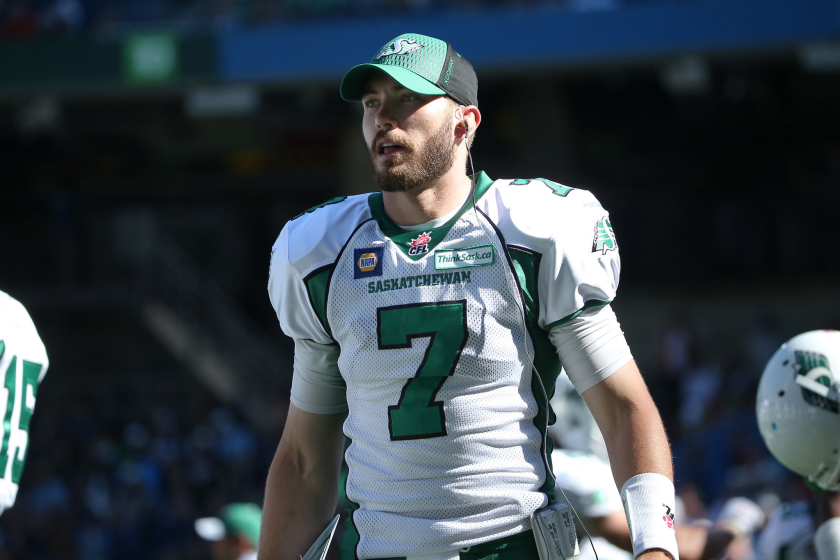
<point>521,309</point>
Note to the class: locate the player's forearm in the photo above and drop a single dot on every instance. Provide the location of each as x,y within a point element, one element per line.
<point>299,503</point>
<point>632,428</point>
<point>639,445</point>
<point>302,485</point>
<point>640,457</point>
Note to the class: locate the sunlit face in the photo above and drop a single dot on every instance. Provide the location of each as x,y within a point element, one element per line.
<point>410,136</point>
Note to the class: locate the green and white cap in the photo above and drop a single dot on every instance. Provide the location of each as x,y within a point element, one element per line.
<point>421,64</point>
<point>234,520</point>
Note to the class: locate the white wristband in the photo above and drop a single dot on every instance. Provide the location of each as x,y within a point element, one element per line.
<point>649,505</point>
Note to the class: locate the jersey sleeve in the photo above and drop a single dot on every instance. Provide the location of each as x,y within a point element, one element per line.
<point>571,241</point>
<point>292,299</point>
<point>591,347</point>
<point>317,385</point>
<point>581,264</point>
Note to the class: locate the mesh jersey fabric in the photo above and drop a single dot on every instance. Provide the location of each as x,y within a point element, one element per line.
<point>481,474</point>
<point>588,483</point>
<point>23,364</point>
<point>478,482</point>
<point>592,346</point>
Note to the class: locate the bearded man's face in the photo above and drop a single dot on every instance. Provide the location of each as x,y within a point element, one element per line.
<point>415,165</point>
<point>410,136</point>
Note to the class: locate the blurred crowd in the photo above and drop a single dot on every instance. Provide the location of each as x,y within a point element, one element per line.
<point>706,393</point>
<point>38,18</point>
<point>107,480</point>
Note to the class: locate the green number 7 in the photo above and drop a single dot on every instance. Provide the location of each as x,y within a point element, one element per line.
<point>418,415</point>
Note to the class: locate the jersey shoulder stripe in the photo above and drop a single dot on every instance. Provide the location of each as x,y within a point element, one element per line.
<point>301,263</point>
<point>534,213</point>
<point>316,237</point>
<point>563,238</point>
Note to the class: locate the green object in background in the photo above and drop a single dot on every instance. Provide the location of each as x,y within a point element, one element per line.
<point>150,58</point>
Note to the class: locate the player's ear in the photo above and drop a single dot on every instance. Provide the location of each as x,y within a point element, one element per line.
<point>468,118</point>
<point>469,115</point>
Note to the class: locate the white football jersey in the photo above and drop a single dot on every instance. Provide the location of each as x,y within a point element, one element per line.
<point>788,535</point>
<point>588,483</point>
<point>23,364</point>
<point>444,352</point>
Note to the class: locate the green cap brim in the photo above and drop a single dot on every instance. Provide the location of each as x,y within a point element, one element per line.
<point>352,86</point>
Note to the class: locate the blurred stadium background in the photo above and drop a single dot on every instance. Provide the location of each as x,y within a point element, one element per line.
<point>153,149</point>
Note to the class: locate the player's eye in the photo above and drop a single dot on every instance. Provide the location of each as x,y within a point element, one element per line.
<point>370,103</point>
<point>409,97</point>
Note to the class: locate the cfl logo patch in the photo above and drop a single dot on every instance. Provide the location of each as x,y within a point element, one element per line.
<point>420,245</point>
<point>367,262</point>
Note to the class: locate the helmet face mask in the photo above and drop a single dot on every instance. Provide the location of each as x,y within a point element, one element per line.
<point>798,408</point>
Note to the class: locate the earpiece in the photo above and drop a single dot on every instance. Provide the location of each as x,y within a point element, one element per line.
<point>464,119</point>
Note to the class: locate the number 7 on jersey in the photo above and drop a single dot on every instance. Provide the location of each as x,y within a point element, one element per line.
<point>418,415</point>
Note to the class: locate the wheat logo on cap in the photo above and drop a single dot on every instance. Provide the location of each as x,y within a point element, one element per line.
<point>400,46</point>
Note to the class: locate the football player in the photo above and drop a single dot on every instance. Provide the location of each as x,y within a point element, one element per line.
<point>430,321</point>
<point>798,411</point>
<point>581,468</point>
<point>234,532</point>
<point>23,364</point>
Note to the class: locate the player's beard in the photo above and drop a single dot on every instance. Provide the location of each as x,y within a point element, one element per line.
<point>419,165</point>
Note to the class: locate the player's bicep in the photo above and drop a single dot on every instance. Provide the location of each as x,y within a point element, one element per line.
<point>591,347</point>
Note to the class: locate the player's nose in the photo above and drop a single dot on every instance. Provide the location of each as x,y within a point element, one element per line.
<point>385,116</point>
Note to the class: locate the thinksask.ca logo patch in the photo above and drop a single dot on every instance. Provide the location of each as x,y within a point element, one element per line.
<point>462,258</point>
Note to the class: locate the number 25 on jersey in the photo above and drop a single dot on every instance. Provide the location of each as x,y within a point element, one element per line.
<point>21,386</point>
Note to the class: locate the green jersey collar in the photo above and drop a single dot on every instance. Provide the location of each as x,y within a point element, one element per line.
<point>417,244</point>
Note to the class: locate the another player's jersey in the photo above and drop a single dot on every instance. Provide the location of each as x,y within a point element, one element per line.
<point>588,483</point>
<point>575,428</point>
<point>788,535</point>
<point>446,411</point>
<point>23,364</point>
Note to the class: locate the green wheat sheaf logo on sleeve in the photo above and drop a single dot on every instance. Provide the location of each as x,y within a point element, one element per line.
<point>604,237</point>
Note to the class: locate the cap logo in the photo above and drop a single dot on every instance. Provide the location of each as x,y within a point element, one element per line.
<point>400,46</point>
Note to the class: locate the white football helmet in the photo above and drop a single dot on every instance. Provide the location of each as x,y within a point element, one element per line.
<point>798,407</point>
